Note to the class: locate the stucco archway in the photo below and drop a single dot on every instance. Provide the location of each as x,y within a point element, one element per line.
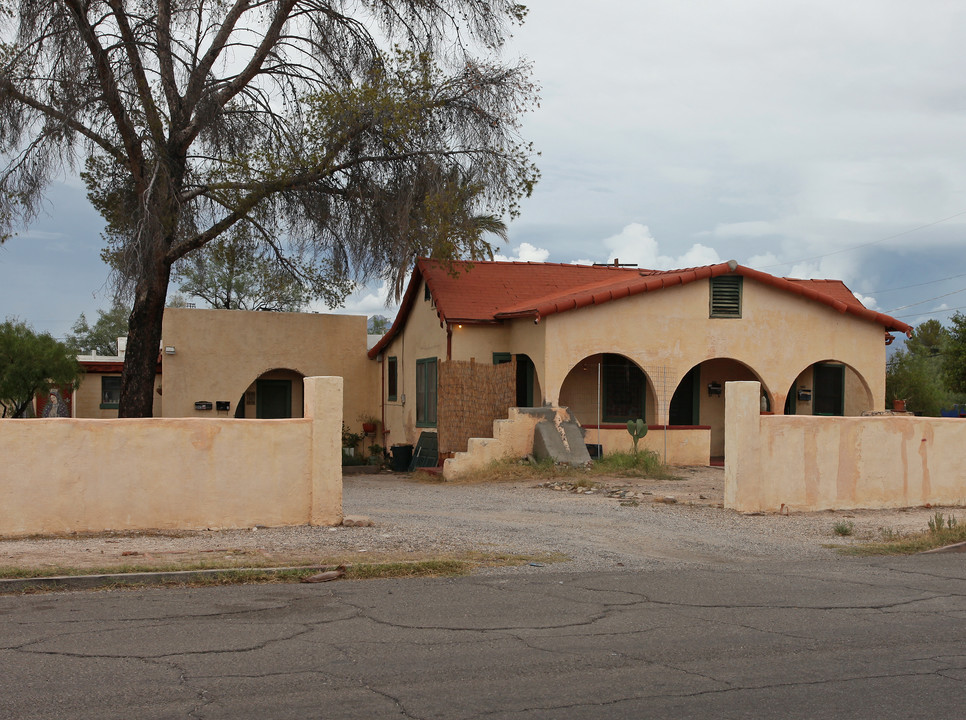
<point>611,387</point>
<point>699,398</point>
<point>275,393</point>
<point>829,387</point>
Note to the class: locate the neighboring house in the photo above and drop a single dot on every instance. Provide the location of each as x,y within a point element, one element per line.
<point>615,343</point>
<point>236,363</point>
<point>99,389</point>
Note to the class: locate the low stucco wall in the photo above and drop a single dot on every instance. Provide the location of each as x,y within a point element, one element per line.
<point>820,463</point>
<point>71,475</point>
<point>684,445</point>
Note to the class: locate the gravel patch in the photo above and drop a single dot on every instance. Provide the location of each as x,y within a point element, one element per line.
<point>617,526</point>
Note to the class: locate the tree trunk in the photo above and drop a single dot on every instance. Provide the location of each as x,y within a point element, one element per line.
<point>144,336</point>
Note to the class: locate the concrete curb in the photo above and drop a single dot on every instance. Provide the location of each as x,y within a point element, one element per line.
<point>955,547</point>
<point>87,582</point>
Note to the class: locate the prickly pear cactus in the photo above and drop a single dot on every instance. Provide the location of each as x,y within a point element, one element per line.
<point>637,429</point>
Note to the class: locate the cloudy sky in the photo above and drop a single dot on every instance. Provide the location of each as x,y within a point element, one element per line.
<point>806,139</point>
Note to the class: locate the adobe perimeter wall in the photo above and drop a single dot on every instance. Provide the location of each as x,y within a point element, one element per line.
<point>88,475</point>
<point>820,463</point>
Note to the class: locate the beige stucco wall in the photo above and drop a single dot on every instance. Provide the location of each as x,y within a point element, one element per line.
<point>677,446</point>
<point>87,397</point>
<point>818,463</point>
<point>220,353</point>
<point>777,340</point>
<point>423,337</point>
<point>778,336</point>
<point>88,475</point>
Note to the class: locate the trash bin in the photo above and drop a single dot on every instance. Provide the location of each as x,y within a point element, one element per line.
<point>402,455</point>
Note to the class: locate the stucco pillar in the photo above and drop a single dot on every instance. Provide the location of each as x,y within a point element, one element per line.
<point>743,479</point>
<point>323,406</point>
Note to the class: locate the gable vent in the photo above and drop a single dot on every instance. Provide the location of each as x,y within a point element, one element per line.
<point>726,296</point>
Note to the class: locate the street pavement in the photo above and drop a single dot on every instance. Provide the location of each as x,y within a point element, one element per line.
<point>838,638</point>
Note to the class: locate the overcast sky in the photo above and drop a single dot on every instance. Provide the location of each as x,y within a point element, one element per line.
<point>805,139</point>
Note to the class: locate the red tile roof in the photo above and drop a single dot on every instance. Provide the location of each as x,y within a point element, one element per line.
<point>492,292</point>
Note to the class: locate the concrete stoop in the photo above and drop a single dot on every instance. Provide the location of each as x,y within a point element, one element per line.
<point>543,432</point>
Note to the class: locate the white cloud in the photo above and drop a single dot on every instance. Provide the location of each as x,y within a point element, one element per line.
<point>869,302</point>
<point>525,252</point>
<point>366,300</point>
<point>636,244</point>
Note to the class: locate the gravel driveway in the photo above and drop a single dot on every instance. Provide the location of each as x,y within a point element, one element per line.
<point>416,519</point>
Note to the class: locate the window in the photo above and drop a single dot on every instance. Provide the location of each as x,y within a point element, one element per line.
<point>726,296</point>
<point>426,392</point>
<point>110,391</point>
<point>392,379</point>
<point>623,390</point>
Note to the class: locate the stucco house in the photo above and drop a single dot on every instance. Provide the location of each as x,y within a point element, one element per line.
<point>241,364</point>
<point>615,343</point>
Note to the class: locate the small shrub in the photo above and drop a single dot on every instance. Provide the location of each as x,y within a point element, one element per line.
<point>938,523</point>
<point>844,528</point>
<point>646,463</point>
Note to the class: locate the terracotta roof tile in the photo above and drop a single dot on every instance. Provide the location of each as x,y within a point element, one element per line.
<point>491,292</point>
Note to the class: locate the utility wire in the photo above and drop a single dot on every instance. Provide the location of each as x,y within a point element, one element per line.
<point>906,287</point>
<point>863,245</point>
<point>923,302</point>
<point>931,312</point>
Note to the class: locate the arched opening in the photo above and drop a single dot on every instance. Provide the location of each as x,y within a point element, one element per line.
<point>699,398</point>
<point>831,388</point>
<point>274,394</point>
<point>608,389</point>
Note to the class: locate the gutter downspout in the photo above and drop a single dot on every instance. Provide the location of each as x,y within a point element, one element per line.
<point>383,365</point>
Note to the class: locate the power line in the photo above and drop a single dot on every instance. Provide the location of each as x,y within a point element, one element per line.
<point>863,245</point>
<point>923,302</point>
<point>906,287</point>
<point>931,312</point>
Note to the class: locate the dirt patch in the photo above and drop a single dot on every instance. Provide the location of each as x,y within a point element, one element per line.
<point>619,523</point>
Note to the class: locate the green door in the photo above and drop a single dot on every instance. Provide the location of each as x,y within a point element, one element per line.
<point>828,389</point>
<point>273,399</point>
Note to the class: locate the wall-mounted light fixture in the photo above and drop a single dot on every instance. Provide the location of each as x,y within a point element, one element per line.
<point>714,389</point>
<point>169,350</point>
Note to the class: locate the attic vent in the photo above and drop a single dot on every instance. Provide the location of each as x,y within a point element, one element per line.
<point>726,296</point>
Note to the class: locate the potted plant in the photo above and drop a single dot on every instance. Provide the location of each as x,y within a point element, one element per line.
<point>349,441</point>
<point>369,422</point>
<point>377,455</point>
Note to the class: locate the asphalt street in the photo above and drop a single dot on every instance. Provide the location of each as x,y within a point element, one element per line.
<point>842,638</point>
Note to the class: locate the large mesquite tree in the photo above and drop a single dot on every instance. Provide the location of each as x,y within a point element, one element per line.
<point>346,127</point>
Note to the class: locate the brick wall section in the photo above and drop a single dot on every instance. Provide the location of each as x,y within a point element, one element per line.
<point>471,396</point>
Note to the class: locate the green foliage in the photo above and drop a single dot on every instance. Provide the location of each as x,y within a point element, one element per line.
<point>844,528</point>
<point>942,531</point>
<point>350,439</point>
<point>359,134</point>
<point>236,272</point>
<point>31,363</point>
<point>101,339</point>
<point>954,355</point>
<point>637,429</point>
<point>645,463</point>
<point>938,523</point>
<point>918,373</point>
<point>919,380</point>
<point>379,325</point>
